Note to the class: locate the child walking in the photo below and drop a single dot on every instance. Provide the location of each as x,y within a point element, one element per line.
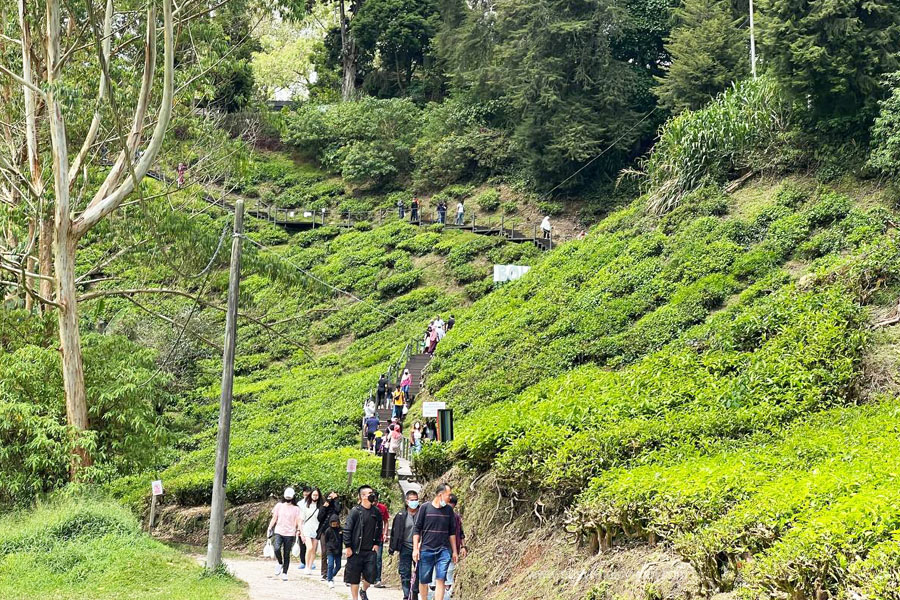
<point>332,539</point>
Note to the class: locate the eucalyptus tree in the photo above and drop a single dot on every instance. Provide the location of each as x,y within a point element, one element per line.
<point>90,100</point>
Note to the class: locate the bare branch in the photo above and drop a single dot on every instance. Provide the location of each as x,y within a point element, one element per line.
<point>183,294</point>
<point>22,82</point>
<point>103,50</point>
<point>134,137</point>
<point>171,321</point>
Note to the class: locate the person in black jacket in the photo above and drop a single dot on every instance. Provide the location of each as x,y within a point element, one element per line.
<point>382,391</point>
<point>331,506</point>
<point>362,535</point>
<point>332,542</point>
<point>402,542</point>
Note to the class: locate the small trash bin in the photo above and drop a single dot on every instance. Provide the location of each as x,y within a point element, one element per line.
<point>389,465</point>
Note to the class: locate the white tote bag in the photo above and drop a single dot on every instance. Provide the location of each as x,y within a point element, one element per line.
<point>269,550</point>
<point>295,551</point>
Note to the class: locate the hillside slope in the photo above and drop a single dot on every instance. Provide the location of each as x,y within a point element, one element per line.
<point>707,379</point>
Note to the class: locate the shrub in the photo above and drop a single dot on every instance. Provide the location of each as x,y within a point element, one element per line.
<point>509,207</point>
<point>432,461</point>
<point>488,200</point>
<point>398,283</point>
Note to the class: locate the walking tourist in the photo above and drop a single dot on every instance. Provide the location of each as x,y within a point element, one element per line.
<point>182,168</point>
<point>414,210</point>
<point>545,227</point>
<point>371,427</point>
<point>415,437</point>
<point>382,390</point>
<point>461,543</point>
<point>405,383</point>
<point>459,212</point>
<point>363,531</point>
<point>330,507</point>
<point>283,529</point>
<point>435,542</point>
<point>399,401</point>
<point>450,323</point>
<point>304,495</point>
<point>332,541</point>
<point>402,542</point>
<point>442,212</point>
<point>401,208</point>
<point>385,515</point>
<point>309,527</point>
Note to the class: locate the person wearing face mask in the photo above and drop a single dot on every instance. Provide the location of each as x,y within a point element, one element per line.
<point>363,532</point>
<point>435,542</point>
<point>402,542</point>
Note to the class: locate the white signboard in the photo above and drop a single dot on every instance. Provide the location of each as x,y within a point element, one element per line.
<point>430,409</point>
<point>351,465</point>
<point>509,272</point>
<point>157,487</point>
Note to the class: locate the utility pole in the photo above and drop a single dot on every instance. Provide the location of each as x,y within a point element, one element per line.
<point>217,514</point>
<point>752,43</point>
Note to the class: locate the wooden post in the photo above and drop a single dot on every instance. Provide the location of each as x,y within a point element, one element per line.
<point>152,513</point>
<point>223,436</point>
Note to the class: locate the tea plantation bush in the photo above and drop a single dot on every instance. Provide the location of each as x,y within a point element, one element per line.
<point>681,384</point>
<point>297,411</point>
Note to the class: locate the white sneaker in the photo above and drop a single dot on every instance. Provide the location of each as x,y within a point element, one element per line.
<point>278,570</point>
<point>284,576</point>
<point>331,584</point>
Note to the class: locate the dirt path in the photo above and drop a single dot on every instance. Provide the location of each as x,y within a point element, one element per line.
<point>259,575</point>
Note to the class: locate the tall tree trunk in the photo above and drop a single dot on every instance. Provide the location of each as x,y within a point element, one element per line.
<point>64,246</point>
<point>349,58</point>
<point>45,256</point>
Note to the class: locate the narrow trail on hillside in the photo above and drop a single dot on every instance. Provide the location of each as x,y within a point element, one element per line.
<point>259,575</point>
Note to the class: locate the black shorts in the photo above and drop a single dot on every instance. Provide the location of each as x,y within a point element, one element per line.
<point>361,566</point>
<point>370,436</point>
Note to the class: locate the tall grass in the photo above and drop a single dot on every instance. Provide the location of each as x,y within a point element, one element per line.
<point>744,128</point>
<point>80,549</point>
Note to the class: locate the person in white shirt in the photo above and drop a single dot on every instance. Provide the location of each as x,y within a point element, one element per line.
<point>545,227</point>
<point>459,212</point>
<point>309,527</point>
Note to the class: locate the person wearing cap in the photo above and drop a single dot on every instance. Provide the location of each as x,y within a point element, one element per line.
<point>283,529</point>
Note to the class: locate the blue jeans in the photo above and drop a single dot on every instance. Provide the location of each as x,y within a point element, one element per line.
<point>437,561</point>
<point>459,218</point>
<point>404,567</point>
<point>334,565</point>
<point>442,217</point>
<point>398,411</point>
<point>378,562</point>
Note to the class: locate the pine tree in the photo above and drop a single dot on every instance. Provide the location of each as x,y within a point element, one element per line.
<point>709,52</point>
<point>832,54</point>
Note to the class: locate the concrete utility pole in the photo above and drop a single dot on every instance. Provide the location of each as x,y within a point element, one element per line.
<point>752,43</point>
<point>217,514</point>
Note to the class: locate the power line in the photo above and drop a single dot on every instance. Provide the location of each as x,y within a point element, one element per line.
<point>607,149</point>
<point>319,280</point>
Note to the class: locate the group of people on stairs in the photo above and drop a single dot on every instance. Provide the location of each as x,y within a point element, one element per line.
<point>428,538</point>
<point>399,397</point>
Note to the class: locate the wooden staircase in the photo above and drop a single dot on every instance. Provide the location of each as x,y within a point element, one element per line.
<point>416,364</point>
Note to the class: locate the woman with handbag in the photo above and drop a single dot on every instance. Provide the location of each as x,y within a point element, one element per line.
<point>309,527</point>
